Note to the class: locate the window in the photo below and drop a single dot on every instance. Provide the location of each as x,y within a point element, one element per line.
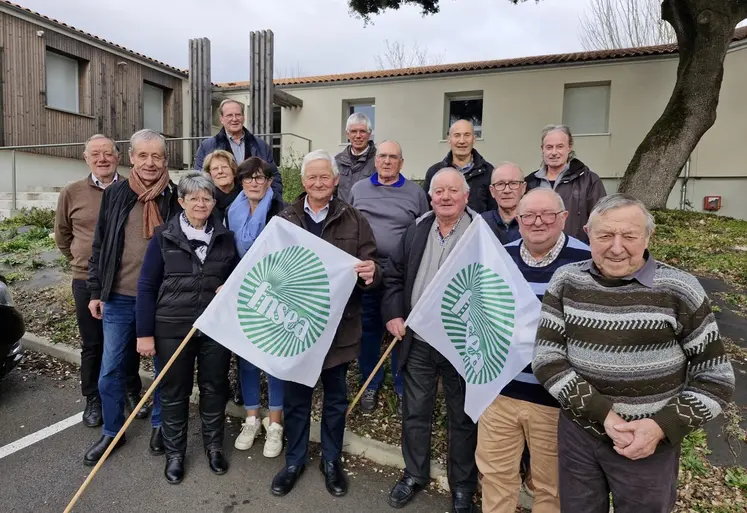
<point>586,108</point>
<point>62,82</point>
<point>467,106</point>
<point>367,107</point>
<point>153,107</point>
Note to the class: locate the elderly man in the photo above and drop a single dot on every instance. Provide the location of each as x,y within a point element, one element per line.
<point>525,413</point>
<point>356,161</point>
<point>507,186</point>
<point>77,211</point>
<point>390,203</point>
<point>562,172</point>
<point>344,227</point>
<point>631,350</point>
<point>410,268</point>
<point>131,209</point>
<point>234,138</point>
<point>464,157</point>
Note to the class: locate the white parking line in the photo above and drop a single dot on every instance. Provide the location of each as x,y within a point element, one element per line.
<point>39,435</point>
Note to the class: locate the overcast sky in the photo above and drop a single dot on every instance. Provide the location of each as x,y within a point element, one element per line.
<point>315,37</point>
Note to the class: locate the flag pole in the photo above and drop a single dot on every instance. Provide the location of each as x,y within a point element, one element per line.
<point>129,420</point>
<point>370,378</point>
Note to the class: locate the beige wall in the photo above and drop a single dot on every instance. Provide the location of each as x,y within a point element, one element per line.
<point>518,103</point>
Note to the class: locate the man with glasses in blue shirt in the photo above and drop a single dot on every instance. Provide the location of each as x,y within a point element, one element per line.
<point>507,186</point>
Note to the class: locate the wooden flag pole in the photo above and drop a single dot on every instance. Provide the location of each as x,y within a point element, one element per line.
<point>129,420</point>
<point>376,369</point>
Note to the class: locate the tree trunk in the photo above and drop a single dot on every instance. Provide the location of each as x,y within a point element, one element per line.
<point>704,31</point>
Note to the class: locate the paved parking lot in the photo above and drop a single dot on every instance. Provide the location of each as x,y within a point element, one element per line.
<point>43,476</point>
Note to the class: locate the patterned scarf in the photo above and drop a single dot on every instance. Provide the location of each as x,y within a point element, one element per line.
<point>199,238</point>
<point>147,194</point>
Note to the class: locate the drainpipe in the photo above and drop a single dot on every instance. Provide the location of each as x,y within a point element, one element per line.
<point>14,192</point>
<point>683,187</point>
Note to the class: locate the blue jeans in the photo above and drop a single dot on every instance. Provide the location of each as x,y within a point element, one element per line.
<point>373,332</point>
<point>119,336</point>
<point>250,387</point>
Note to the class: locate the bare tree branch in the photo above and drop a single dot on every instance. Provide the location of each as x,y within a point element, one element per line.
<point>610,24</point>
<point>397,55</point>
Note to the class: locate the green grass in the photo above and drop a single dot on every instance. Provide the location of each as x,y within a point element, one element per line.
<point>694,452</point>
<point>292,186</point>
<point>19,252</point>
<point>702,244</point>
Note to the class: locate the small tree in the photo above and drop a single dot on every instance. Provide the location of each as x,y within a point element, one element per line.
<point>397,55</point>
<point>610,24</point>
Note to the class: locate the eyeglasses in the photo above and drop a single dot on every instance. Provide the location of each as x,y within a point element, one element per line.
<point>260,179</point>
<point>499,186</point>
<point>233,116</point>
<point>545,217</point>
<point>194,201</point>
<point>386,156</point>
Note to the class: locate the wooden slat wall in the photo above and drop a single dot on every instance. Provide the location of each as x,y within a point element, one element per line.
<point>112,92</point>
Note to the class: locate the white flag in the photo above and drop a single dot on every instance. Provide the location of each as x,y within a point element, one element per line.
<point>281,306</point>
<point>480,314</point>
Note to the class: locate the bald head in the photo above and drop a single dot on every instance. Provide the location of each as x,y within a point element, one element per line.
<point>461,139</point>
<point>507,186</point>
<point>545,197</point>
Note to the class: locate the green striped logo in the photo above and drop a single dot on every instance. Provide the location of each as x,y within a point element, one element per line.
<point>284,302</point>
<point>477,311</point>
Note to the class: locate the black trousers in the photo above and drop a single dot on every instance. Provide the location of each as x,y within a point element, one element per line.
<point>213,361</point>
<point>92,347</point>
<point>421,371</point>
<point>297,416</point>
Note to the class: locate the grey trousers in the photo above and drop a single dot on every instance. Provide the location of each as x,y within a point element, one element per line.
<point>590,469</point>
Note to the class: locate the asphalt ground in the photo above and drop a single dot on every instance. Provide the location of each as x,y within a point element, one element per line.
<point>45,475</point>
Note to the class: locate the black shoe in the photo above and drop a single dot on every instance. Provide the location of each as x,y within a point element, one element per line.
<point>238,397</point>
<point>286,479</point>
<point>461,502</point>
<point>131,402</point>
<point>217,461</point>
<point>97,450</point>
<point>399,406</point>
<point>369,401</point>
<point>92,413</point>
<point>334,477</point>
<point>404,491</point>
<point>174,470</point>
<point>156,442</point>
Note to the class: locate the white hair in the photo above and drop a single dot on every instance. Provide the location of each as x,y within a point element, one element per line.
<point>226,102</point>
<point>96,137</point>
<point>146,134</point>
<point>358,118</point>
<point>620,200</point>
<point>465,185</point>
<point>194,182</point>
<point>555,195</point>
<point>506,163</point>
<point>319,155</point>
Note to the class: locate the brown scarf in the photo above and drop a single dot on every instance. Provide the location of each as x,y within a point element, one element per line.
<point>148,194</point>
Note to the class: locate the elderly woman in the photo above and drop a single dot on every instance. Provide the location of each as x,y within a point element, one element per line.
<point>221,167</point>
<point>247,216</point>
<point>187,260</point>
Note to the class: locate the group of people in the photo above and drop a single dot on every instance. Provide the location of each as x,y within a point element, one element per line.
<point>628,357</point>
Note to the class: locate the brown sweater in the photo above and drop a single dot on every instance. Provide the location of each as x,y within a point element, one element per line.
<point>75,222</point>
<point>125,282</point>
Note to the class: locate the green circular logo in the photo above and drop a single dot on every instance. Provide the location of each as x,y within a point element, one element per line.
<point>477,311</point>
<point>283,303</point>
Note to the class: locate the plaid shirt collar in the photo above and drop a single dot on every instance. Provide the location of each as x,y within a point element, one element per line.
<point>546,260</point>
<point>443,241</point>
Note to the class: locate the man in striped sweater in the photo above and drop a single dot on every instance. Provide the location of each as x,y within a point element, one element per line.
<point>631,350</point>
<point>525,413</point>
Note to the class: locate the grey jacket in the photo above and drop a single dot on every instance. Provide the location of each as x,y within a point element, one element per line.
<point>354,168</point>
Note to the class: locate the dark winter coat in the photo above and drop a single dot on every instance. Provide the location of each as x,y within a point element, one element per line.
<point>354,168</point>
<point>478,179</point>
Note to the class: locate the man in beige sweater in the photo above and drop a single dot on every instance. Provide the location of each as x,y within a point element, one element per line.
<point>75,222</point>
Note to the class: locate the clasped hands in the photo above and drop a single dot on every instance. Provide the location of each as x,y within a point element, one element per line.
<point>636,439</point>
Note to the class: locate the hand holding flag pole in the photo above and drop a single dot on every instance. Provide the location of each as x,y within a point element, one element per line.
<point>129,420</point>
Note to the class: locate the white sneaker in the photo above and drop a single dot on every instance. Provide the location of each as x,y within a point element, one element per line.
<point>274,441</point>
<point>249,431</point>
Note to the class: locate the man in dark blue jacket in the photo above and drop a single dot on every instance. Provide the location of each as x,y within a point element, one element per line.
<point>507,186</point>
<point>234,138</point>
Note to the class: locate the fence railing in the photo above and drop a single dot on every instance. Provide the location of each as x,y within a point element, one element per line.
<point>276,142</point>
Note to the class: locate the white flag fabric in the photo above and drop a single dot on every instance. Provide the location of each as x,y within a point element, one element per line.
<point>281,306</point>
<point>480,314</point>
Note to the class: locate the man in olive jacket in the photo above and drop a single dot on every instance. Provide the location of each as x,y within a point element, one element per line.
<point>345,228</point>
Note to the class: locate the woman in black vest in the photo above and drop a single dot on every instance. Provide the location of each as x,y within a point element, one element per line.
<point>186,261</point>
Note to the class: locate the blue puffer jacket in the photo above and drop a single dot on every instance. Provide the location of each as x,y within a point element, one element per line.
<point>253,147</point>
